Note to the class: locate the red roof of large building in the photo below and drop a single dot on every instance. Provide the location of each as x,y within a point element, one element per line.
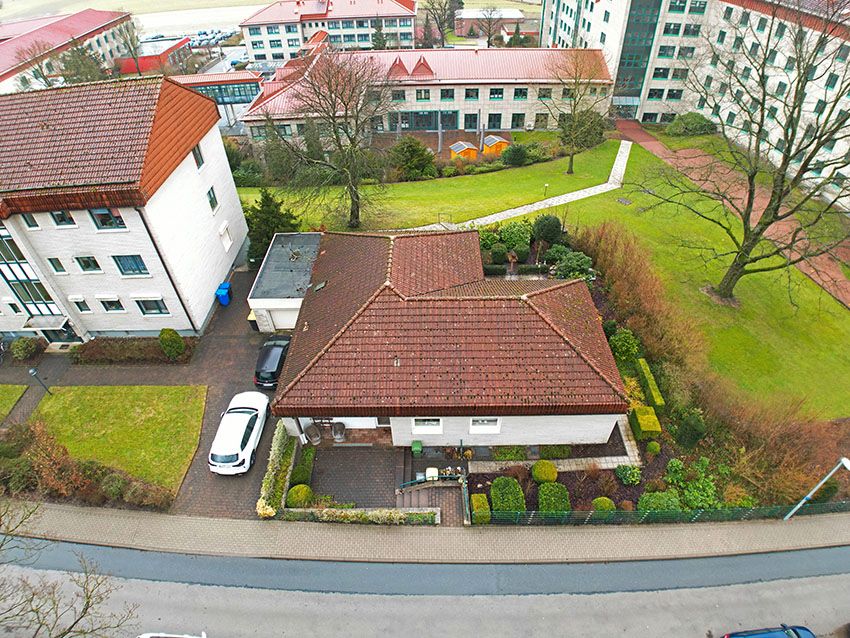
<point>51,36</point>
<point>446,66</point>
<point>396,325</point>
<point>107,143</point>
<point>211,79</point>
<point>299,10</point>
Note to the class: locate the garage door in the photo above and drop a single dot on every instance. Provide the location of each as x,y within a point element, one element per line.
<point>284,319</point>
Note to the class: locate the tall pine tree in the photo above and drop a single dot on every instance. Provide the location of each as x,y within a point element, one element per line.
<point>265,217</point>
<point>80,65</point>
<point>379,40</point>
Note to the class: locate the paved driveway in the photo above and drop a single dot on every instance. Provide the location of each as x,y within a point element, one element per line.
<point>225,362</point>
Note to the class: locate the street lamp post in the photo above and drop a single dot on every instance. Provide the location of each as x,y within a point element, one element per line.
<point>34,375</point>
<point>545,190</point>
<point>844,462</point>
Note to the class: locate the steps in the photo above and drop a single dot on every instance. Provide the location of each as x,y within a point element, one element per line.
<point>417,496</point>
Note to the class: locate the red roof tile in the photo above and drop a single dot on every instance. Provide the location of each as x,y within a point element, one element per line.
<point>103,143</point>
<point>300,10</point>
<point>436,338</point>
<point>208,79</point>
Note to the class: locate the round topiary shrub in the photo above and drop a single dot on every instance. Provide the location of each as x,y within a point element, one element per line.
<point>299,496</point>
<point>521,253</point>
<point>624,345</point>
<point>555,254</point>
<point>603,504</point>
<point>653,448</point>
<point>499,253</point>
<point>172,344</point>
<point>506,495</point>
<point>547,228</point>
<point>515,155</point>
<point>24,348</point>
<point>544,472</point>
<point>553,497</point>
<point>113,485</point>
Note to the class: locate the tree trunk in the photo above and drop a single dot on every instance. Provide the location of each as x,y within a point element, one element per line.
<point>354,209</point>
<point>570,164</point>
<point>726,288</point>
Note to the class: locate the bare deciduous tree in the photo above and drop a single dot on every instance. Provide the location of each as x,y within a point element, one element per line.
<point>42,66</point>
<point>340,96</point>
<point>776,86</point>
<point>489,23</point>
<point>42,606</point>
<point>128,38</point>
<point>442,14</point>
<point>581,102</point>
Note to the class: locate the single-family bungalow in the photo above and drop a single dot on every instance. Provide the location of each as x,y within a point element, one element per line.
<point>494,145</point>
<point>464,150</point>
<point>401,339</point>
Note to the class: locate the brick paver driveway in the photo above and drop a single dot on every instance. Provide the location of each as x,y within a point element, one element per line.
<point>362,475</point>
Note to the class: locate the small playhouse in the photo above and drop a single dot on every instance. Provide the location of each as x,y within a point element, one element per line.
<point>464,150</point>
<point>494,145</point>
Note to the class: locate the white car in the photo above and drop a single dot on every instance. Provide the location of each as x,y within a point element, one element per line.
<point>234,448</point>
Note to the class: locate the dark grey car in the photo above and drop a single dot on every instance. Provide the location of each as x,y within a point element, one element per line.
<point>270,361</point>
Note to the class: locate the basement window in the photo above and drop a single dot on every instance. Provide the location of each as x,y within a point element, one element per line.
<point>485,425</point>
<point>427,426</point>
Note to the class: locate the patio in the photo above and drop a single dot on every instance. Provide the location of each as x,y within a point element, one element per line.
<point>365,476</point>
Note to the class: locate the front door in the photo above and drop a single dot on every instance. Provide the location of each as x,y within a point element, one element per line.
<point>65,335</point>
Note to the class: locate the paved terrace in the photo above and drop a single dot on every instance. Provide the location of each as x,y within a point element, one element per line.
<point>502,544</point>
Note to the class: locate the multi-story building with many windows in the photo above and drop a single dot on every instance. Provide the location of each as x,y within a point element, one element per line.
<point>22,42</point>
<point>448,90</point>
<point>117,218</point>
<point>278,31</point>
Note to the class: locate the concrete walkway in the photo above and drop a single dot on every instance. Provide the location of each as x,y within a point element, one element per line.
<point>489,544</point>
<point>615,181</point>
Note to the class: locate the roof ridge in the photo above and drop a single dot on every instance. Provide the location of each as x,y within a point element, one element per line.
<point>556,286</point>
<point>333,340</point>
<point>577,350</point>
<point>145,79</point>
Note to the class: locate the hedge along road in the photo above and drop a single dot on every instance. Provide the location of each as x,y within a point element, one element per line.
<point>437,579</point>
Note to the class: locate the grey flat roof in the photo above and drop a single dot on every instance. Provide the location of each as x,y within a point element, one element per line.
<point>285,272</point>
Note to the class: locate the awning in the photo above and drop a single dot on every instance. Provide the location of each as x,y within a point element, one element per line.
<point>45,322</point>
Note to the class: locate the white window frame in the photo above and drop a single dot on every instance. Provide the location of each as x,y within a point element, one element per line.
<point>426,428</point>
<point>485,428</point>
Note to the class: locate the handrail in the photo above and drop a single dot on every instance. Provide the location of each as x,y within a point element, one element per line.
<point>440,477</point>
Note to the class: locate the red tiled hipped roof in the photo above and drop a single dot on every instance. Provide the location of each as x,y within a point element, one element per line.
<point>298,10</point>
<point>54,36</point>
<point>407,325</point>
<point>107,143</point>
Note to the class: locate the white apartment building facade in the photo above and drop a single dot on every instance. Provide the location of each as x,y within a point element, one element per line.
<point>132,239</point>
<point>450,90</point>
<point>279,31</point>
<point>20,40</point>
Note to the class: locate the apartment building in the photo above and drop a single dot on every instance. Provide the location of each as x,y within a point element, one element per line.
<point>452,90</point>
<point>22,42</point>
<point>119,218</point>
<point>279,31</point>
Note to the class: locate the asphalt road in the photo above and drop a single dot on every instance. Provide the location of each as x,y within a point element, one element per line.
<point>229,612</point>
<point>454,580</point>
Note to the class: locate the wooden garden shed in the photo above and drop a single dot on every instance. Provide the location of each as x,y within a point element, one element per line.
<point>464,150</point>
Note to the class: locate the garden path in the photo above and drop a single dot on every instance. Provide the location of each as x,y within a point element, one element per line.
<point>615,181</point>
<point>824,270</point>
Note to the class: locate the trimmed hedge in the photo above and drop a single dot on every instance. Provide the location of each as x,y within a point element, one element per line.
<point>603,504</point>
<point>544,472</point>
<point>650,387</point>
<point>667,501</point>
<point>506,495</point>
<point>276,479</point>
<point>303,470</point>
<point>532,269</point>
<point>555,451</point>
<point>361,516</point>
<point>495,269</point>
<point>644,423</point>
<point>553,497</point>
<point>510,453</point>
<point>480,509</point>
<point>106,350</point>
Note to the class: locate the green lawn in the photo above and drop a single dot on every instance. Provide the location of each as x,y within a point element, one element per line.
<point>770,348</point>
<point>459,199</point>
<point>151,432</point>
<point>9,395</point>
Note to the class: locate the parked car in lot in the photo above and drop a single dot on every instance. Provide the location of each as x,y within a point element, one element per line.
<point>270,361</point>
<point>783,631</point>
<point>234,448</point>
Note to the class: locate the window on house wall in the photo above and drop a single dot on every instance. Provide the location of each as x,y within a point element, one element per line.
<point>56,265</point>
<point>15,308</point>
<point>606,16</point>
<point>672,28</point>
<point>771,56</point>
<point>63,218</point>
<point>771,112</point>
<point>129,265</point>
<point>497,94</point>
<point>666,51</point>
<point>398,95</point>
<point>494,121</point>
<point>423,95</point>
<point>698,6</point>
<point>212,199</point>
<point>485,425</point>
<point>544,94</point>
<point>107,218</point>
<point>152,306</point>
<point>88,264</point>
<point>691,30</point>
<point>273,30</point>
<point>226,238</point>
<point>762,24</point>
<point>660,73</point>
<point>842,53</point>
<point>82,305</point>
<point>254,31</point>
<point>820,107</point>
<point>721,37</point>
<point>655,94</point>
<point>447,94</point>
<point>521,93</point>
<point>831,81</point>
<point>275,44</point>
<point>745,19</point>
<point>29,220</point>
<point>293,28</point>
<point>674,94</point>
<point>677,6</point>
<point>112,305</point>
<point>730,118</point>
<point>427,426</point>
<point>686,53</point>
<point>680,74</point>
<point>781,87</point>
<point>470,121</point>
<point>541,120</point>
<point>727,13</point>
<point>517,120</point>
<point>649,118</point>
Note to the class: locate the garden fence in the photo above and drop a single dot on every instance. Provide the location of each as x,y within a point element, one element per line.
<point>637,518</point>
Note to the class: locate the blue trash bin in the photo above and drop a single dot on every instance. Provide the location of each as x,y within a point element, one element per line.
<point>223,293</point>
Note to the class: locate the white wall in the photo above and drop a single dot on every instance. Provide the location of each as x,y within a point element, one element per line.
<point>515,430</point>
<point>190,235</point>
<point>275,314</point>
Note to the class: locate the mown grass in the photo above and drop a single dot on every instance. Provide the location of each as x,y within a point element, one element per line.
<point>151,432</point>
<point>9,396</point>
<point>460,199</point>
<point>786,339</point>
